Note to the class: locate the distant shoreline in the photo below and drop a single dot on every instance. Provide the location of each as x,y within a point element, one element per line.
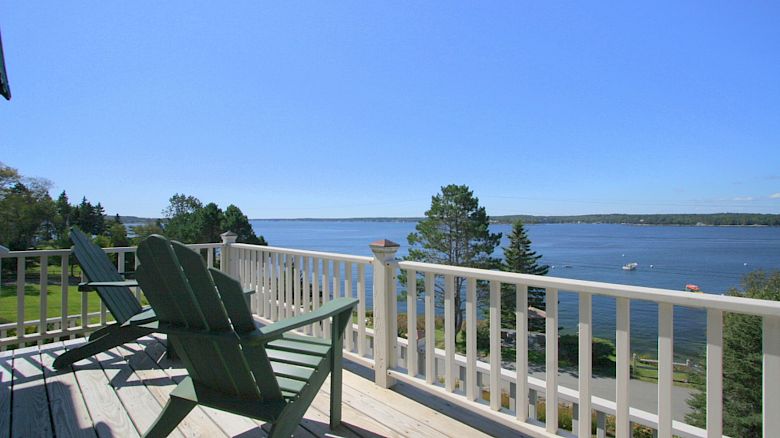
<point>685,220</point>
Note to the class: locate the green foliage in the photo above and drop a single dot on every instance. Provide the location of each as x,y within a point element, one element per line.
<point>742,363</point>
<point>143,231</point>
<point>569,352</point>
<point>518,257</point>
<point>117,234</point>
<point>455,232</point>
<point>26,209</point>
<point>189,221</point>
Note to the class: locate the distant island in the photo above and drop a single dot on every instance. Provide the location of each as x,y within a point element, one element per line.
<point>712,219</point>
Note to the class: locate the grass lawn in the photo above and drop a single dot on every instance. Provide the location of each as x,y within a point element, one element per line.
<point>32,302</point>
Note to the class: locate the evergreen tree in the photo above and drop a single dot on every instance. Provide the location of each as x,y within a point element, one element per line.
<point>237,222</point>
<point>742,363</point>
<point>518,257</point>
<point>456,232</point>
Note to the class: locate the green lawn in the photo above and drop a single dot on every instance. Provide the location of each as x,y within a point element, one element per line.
<point>32,302</point>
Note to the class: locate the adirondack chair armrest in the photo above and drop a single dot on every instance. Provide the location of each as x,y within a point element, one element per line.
<point>277,329</point>
<point>89,286</point>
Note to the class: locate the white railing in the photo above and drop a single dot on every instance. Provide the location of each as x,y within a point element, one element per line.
<point>57,320</point>
<point>289,282</point>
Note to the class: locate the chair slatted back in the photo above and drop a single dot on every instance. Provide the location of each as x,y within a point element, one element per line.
<point>183,293</point>
<point>96,265</point>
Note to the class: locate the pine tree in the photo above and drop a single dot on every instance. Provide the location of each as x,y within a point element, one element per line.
<point>455,232</point>
<point>742,363</point>
<point>518,257</point>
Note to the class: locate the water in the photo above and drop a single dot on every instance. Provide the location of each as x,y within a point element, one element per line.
<point>715,258</point>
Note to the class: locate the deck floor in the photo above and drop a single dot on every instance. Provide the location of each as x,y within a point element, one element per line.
<point>120,393</point>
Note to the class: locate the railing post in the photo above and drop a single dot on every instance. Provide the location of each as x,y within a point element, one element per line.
<point>385,343</point>
<point>225,260</point>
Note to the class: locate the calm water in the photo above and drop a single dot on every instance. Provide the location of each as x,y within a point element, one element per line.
<point>715,258</point>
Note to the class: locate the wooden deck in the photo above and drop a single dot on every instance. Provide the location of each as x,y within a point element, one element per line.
<point>119,394</point>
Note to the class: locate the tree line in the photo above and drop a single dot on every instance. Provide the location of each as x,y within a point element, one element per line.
<point>30,218</point>
<point>711,219</point>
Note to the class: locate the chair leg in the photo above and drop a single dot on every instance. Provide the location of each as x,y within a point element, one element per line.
<point>335,375</point>
<point>109,340</point>
<point>173,412</point>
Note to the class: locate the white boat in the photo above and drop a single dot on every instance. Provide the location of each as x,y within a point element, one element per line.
<point>630,266</point>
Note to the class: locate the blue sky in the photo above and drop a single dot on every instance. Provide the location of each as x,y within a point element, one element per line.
<point>324,109</point>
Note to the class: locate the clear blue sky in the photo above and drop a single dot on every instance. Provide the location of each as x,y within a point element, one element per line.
<point>324,109</point>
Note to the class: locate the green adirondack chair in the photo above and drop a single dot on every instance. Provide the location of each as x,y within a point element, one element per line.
<point>114,291</point>
<point>264,373</point>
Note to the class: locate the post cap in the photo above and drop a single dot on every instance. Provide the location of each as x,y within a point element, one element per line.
<point>4,250</point>
<point>384,243</point>
<point>229,237</point>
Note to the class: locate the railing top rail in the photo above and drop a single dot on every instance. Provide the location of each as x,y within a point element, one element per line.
<point>679,298</point>
<point>109,250</point>
<point>300,252</point>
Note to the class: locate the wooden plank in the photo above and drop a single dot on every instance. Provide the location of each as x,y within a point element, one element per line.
<point>585,364</point>
<point>139,403</point>
<point>521,352</point>
<point>68,411</point>
<point>306,291</point>
<point>430,329</point>
<point>623,366</point>
<point>770,382</point>
<point>353,422</point>
<point>105,408</point>
<point>316,275</point>
<point>551,360</point>
<point>274,266</point>
<point>30,410</point>
<point>402,411</point>
<point>6,376</point>
<point>495,345</point>
<point>143,360</point>
<point>665,359</point>
<point>471,339</point>
<point>714,373</point>
<point>296,301</point>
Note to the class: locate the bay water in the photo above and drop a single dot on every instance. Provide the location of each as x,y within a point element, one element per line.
<point>669,257</point>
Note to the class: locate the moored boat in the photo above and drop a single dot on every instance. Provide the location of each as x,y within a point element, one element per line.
<point>630,266</point>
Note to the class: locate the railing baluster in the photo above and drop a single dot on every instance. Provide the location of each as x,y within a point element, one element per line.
<point>521,352</point>
<point>44,297</point>
<point>411,322</point>
<point>449,333</point>
<point>623,367</point>
<point>348,331</point>
<point>770,381</point>
<point>362,310</point>
<point>317,293</point>
<point>665,364</point>
<point>714,372</point>
<point>288,283</point>
<point>551,353</point>
<point>430,328</point>
<point>20,280</point>
<point>296,279</point>
<point>306,291</point>
<point>274,282</point>
<point>210,257</point>
<point>471,339</point>
<point>84,306</point>
<point>265,285</point>
<point>64,293</point>
<point>325,294</point>
<point>585,364</point>
<point>136,263</point>
<point>495,345</point>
